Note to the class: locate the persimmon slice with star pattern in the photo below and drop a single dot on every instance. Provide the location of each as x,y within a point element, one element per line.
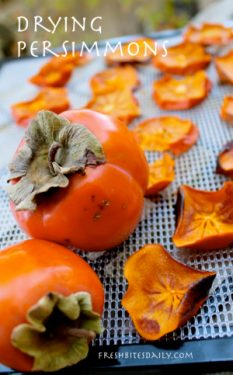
<point>166,133</point>
<point>184,58</point>
<point>118,78</point>
<point>204,218</point>
<point>162,293</point>
<point>120,104</point>
<point>178,94</point>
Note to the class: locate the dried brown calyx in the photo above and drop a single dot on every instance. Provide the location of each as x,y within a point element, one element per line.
<point>53,148</point>
<point>58,331</point>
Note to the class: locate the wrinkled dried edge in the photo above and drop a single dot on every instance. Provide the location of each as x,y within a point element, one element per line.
<point>198,294</point>
<point>219,170</point>
<point>64,342</point>
<point>179,206</point>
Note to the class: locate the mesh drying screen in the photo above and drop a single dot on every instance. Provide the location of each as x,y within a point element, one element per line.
<point>196,168</point>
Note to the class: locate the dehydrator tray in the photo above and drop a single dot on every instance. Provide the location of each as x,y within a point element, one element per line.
<point>206,338</point>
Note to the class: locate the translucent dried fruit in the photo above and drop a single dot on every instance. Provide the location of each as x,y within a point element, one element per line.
<point>225,160</point>
<point>161,174</point>
<point>52,99</point>
<point>162,293</point>
<point>120,104</point>
<point>137,51</point>
<point>227,109</point>
<point>209,34</point>
<point>57,71</point>
<point>118,78</point>
<point>224,66</point>
<point>185,93</point>
<point>78,59</point>
<point>184,58</point>
<point>166,133</point>
<point>204,218</point>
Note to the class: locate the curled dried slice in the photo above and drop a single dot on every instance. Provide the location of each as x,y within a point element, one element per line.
<point>166,133</point>
<point>184,58</point>
<point>209,34</point>
<point>225,160</point>
<point>161,174</point>
<point>120,104</point>
<point>224,66</point>
<point>52,99</point>
<point>57,71</point>
<point>170,93</point>
<point>77,58</point>
<point>204,218</point>
<point>227,109</point>
<point>137,51</point>
<point>162,293</point>
<point>118,78</point>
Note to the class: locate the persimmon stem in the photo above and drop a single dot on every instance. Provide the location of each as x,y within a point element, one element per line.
<point>78,332</point>
<point>51,155</point>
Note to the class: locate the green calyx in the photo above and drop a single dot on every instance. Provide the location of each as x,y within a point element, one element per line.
<point>58,331</point>
<point>53,149</point>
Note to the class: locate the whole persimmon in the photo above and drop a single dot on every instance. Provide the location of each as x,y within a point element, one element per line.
<point>51,303</point>
<point>78,179</point>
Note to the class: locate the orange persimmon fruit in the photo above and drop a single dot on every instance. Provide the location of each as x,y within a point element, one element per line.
<point>204,218</point>
<point>177,94</point>
<point>120,104</point>
<point>161,174</point>
<point>209,34</point>
<point>184,58</point>
<point>117,78</point>
<point>162,293</point>
<point>51,303</point>
<point>167,133</point>
<point>225,160</point>
<point>52,99</point>
<point>224,67</point>
<point>75,180</point>
<point>227,109</point>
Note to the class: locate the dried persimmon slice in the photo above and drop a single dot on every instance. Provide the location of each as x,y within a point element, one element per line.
<point>166,133</point>
<point>121,104</point>
<point>77,58</point>
<point>161,174</point>
<point>57,71</point>
<point>163,294</point>
<point>117,78</point>
<point>224,67</point>
<point>52,99</point>
<point>175,94</point>
<point>136,51</point>
<point>204,218</point>
<point>184,58</point>
<point>227,109</point>
<point>225,160</point>
<point>209,34</point>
